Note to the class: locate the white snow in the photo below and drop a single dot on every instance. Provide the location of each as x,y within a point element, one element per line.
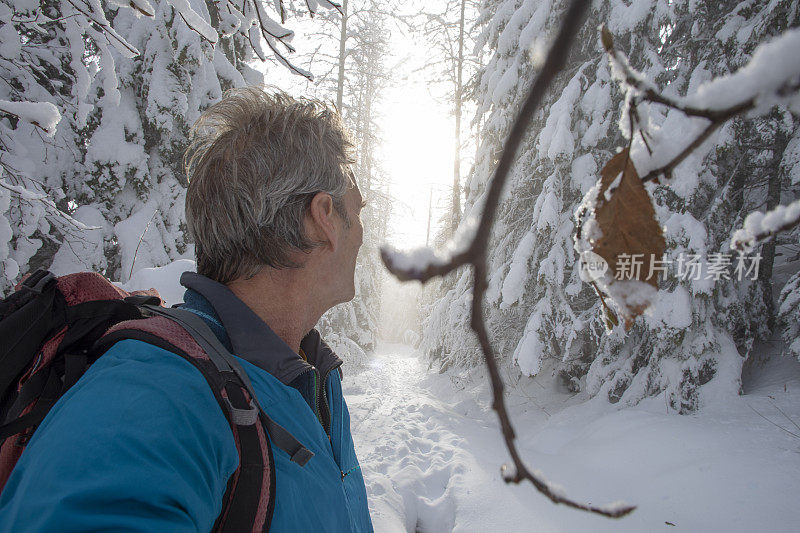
<point>166,280</point>
<point>414,260</point>
<point>140,241</point>
<point>86,251</point>
<point>42,114</point>
<point>420,258</point>
<point>584,172</point>
<point>194,20</point>
<point>507,82</point>
<point>774,65</point>
<point>10,45</point>
<point>530,348</point>
<point>514,282</point>
<point>612,187</point>
<point>672,309</point>
<point>625,16</point>
<point>556,138</point>
<point>431,453</point>
<point>140,7</point>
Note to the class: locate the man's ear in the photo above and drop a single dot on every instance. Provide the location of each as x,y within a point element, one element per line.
<point>321,220</point>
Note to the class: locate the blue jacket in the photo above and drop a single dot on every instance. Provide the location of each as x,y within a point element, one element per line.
<point>140,443</point>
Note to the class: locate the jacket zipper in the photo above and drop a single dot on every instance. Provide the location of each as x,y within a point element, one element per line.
<point>322,409</point>
<point>323,403</point>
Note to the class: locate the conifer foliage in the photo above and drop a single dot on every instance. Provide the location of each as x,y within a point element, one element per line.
<point>95,106</point>
<point>710,304</point>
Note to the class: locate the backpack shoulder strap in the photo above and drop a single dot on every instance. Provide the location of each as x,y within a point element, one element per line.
<point>249,500</point>
<point>225,362</point>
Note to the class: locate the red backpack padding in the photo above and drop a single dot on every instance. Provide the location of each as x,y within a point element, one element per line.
<point>54,328</point>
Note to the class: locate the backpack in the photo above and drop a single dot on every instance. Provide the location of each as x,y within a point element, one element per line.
<point>54,328</point>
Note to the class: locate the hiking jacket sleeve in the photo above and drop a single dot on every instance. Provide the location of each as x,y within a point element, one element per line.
<point>138,444</point>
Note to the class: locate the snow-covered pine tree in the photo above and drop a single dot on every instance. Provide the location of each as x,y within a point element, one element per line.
<point>532,289</point>
<point>759,169</point>
<point>48,56</point>
<point>539,312</point>
<point>111,174</point>
<point>452,65</point>
<point>137,132</point>
<point>703,329</point>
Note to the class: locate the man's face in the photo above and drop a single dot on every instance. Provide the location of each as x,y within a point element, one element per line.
<point>352,238</point>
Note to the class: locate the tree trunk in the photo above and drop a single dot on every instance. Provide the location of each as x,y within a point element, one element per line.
<point>774,186</point>
<point>342,57</point>
<point>456,211</point>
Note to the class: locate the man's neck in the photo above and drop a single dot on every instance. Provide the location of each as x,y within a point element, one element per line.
<point>281,298</point>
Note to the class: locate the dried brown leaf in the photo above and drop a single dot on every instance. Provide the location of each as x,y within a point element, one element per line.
<point>627,220</point>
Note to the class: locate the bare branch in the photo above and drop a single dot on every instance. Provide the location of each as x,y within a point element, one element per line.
<point>792,433</point>
<point>476,253</point>
<point>141,238</point>
<point>286,63</point>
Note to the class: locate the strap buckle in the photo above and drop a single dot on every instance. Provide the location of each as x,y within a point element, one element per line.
<point>243,417</point>
<point>302,456</point>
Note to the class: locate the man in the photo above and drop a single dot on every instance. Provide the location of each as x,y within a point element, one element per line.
<point>140,443</point>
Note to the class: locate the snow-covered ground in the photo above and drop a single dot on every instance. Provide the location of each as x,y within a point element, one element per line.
<point>431,453</point>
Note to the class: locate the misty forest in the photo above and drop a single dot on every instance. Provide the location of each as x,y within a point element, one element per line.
<point>578,297</point>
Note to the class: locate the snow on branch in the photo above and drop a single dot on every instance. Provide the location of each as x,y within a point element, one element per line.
<point>250,19</point>
<point>194,21</point>
<point>285,62</point>
<point>63,219</point>
<point>424,265</point>
<point>43,115</point>
<point>142,7</point>
<point>760,227</point>
<point>93,11</point>
<point>280,8</point>
<point>273,33</point>
<point>772,76</point>
<point>313,6</point>
<point>271,28</point>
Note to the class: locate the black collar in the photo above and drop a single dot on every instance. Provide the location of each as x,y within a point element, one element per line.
<point>253,340</point>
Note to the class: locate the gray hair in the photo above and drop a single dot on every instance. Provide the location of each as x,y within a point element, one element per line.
<point>255,161</point>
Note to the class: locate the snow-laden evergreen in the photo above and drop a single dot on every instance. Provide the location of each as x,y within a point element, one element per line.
<point>49,53</point>
<point>540,313</point>
<point>137,134</point>
<point>103,187</point>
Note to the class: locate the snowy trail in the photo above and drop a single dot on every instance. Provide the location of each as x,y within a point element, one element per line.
<point>418,459</point>
<point>431,453</point>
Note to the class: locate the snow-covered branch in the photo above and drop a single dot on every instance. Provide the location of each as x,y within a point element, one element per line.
<point>313,6</point>
<point>273,33</point>
<point>194,21</point>
<point>93,12</point>
<point>43,115</point>
<point>760,227</point>
<point>25,195</point>
<point>772,76</point>
<point>424,265</point>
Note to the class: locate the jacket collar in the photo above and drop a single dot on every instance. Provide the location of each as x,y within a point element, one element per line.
<point>253,340</point>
